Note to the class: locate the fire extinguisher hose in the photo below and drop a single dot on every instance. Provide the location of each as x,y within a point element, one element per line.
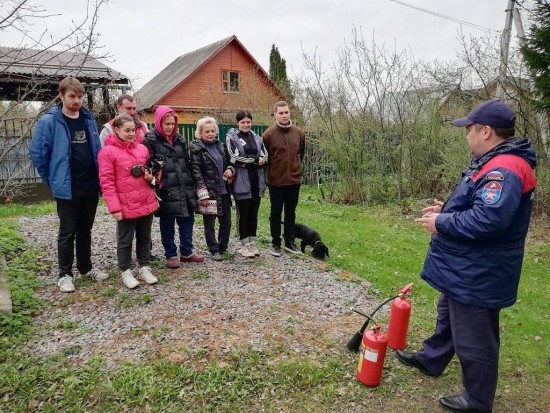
<point>355,342</point>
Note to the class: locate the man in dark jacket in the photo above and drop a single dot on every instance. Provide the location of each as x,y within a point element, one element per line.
<point>285,146</point>
<point>64,150</point>
<point>476,253</point>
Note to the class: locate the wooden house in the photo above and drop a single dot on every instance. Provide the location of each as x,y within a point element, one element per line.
<point>215,80</point>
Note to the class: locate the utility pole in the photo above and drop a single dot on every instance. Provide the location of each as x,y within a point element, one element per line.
<point>504,48</point>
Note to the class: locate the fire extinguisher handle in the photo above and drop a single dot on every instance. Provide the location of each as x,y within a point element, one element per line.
<point>406,289</point>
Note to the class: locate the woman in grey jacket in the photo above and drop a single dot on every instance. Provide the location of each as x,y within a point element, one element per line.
<point>247,152</point>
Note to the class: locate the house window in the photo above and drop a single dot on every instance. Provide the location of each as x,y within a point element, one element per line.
<point>230,81</point>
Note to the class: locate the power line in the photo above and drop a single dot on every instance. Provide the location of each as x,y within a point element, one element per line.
<point>443,16</point>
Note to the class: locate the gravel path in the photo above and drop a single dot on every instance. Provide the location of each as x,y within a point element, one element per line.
<point>300,303</point>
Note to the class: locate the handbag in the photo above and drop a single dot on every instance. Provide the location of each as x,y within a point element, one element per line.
<point>210,209</point>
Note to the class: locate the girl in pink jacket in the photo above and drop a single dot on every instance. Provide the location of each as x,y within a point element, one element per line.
<point>126,186</point>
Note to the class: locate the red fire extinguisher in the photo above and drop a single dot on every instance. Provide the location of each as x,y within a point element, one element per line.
<point>372,344</point>
<point>372,353</point>
<point>400,314</point>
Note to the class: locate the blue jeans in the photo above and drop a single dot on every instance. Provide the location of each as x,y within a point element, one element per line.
<point>168,231</point>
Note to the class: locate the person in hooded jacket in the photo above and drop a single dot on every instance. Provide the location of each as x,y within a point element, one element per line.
<point>248,153</point>
<point>125,183</point>
<point>476,254</point>
<point>212,174</point>
<point>175,187</point>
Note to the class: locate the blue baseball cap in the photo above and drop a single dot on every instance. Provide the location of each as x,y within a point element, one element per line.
<point>491,113</point>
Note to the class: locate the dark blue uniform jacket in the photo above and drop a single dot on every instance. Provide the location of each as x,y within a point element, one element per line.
<point>476,256</point>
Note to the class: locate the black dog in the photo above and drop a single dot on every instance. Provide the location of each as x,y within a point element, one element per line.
<point>313,239</point>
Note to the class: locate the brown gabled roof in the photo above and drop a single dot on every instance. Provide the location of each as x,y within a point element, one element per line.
<point>181,69</point>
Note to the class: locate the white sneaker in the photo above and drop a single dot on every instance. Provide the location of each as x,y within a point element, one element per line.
<point>216,256</point>
<point>245,252</point>
<point>65,284</point>
<point>96,274</point>
<point>146,275</point>
<point>253,249</point>
<point>129,280</point>
<point>275,251</point>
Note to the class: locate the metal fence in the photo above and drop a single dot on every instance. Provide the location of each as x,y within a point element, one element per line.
<point>16,167</point>
<point>15,164</point>
<point>318,166</point>
<point>187,130</point>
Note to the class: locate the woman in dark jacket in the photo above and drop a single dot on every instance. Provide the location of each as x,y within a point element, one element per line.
<point>212,173</point>
<point>176,187</point>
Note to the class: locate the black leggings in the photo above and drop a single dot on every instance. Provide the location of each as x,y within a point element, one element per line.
<point>248,216</point>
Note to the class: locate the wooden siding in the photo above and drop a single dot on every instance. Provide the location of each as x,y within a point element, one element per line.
<point>183,117</point>
<point>202,91</point>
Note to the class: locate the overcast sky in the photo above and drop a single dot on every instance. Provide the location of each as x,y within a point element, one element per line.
<point>144,36</point>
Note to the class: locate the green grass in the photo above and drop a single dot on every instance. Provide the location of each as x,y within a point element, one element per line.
<point>380,245</point>
<point>15,210</point>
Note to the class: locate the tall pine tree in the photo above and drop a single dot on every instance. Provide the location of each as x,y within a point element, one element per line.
<point>536,52</point>
<point>277,72</point>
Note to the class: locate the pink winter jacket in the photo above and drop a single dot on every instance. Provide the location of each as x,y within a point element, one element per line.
<point>123,192</point>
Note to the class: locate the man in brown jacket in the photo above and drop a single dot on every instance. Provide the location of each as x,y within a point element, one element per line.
<point>285,146</point>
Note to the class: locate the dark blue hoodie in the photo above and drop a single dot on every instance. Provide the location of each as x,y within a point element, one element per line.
<point>476,256</point>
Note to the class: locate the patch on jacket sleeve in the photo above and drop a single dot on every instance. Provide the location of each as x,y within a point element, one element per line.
<point>491,192</point>
<point>495,176</point>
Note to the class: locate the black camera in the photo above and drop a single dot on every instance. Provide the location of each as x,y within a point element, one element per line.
<point>139,170</point>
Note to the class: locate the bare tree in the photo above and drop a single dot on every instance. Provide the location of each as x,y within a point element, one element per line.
<point>479,59</point>
<point>369,107</point>
<point>381,119</point>
<point>39,61</point>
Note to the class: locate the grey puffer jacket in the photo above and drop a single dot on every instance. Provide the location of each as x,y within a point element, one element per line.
<point>241,184</point>
<point>205,171</point>
<point>177,189</point>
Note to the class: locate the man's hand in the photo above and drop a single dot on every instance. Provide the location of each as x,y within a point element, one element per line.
<point>436,207</point>
<point>428,221</point>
